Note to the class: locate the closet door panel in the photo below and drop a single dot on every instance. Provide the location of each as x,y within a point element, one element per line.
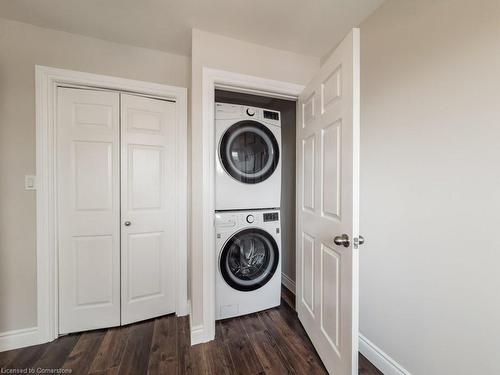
<point>148,207</point>
<point>88,203</point>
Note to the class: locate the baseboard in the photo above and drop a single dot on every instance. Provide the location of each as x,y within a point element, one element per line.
<point>197,335</point>
<point>288,282</point>
<point>19,338</point>
<point>379,358</point>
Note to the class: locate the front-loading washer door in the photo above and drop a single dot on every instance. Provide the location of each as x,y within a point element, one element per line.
<point>249,152</point>
<point>249,259</point>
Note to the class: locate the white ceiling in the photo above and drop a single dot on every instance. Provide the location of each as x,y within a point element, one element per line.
<point>310,27</point>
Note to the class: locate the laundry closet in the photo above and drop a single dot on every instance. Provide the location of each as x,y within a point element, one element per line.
<point>255,201</point>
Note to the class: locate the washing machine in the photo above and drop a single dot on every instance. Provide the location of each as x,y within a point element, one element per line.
<point>248,258</point>
<point>248,157</point>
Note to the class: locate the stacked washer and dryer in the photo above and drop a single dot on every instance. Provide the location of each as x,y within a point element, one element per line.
<point>247,218</point>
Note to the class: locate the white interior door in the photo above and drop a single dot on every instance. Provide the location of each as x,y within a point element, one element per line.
<point>148,135</point>
<point>327,207</point>
<point>88,199</point>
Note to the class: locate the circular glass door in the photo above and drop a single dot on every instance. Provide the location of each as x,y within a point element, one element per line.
<point>249,152</point>
<point>249,259</point>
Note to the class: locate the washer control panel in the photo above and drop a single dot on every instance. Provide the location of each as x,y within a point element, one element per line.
<point>227,221</point>
<point>270,216</point>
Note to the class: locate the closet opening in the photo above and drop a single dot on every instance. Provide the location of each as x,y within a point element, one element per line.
<point>255,137</point>
<point>111,201</point>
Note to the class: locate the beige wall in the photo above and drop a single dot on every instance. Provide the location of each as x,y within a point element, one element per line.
<point>21,47</point>
<point>218,52</point>
<point>430,178</point>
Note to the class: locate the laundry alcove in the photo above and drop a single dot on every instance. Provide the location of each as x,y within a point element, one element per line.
<point>288,112</point>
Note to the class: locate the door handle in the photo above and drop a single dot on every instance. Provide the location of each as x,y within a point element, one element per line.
<point>342,240</point>
<point>127,223</point>
<point>360,240</point>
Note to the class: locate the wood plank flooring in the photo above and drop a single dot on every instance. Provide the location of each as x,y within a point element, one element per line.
<point>268,342</point>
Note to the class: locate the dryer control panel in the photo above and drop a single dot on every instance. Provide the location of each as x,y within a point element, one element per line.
<point>273,115</point>
<point>233,111</point>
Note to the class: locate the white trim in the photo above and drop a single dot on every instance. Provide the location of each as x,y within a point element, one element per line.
<point>18,338</point>
<point>288,282</point>
<point>198,335</point>
<point>379,358</point>
<point>197,332</point>
<point>47,81</point>
<point>255,92</point>
<point>356,144</point>
<point>211,78</point>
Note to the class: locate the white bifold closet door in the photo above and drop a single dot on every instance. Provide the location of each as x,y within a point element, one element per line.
<point>115,166</point>
<point>148,207</point>
<point>88,199</point>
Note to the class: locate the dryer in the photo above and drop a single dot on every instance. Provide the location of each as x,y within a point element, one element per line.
<point>248,258</point>
<point>248,157</point>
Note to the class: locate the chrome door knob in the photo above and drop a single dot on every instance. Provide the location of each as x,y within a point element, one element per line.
<point>342,240</point>
<point>127,223</point>
<point>360,240</point>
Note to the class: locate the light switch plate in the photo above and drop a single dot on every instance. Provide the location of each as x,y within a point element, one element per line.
<point>30,182</point>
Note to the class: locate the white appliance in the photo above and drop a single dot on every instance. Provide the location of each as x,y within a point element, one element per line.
<point>248,157</point>
<point>248,258</point>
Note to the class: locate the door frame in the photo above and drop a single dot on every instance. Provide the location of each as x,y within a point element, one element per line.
<point>220,79</point>
<point>46,83</point>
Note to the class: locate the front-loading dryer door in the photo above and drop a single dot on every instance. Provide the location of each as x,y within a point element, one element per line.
<point>249,259</point>
<point>249,152</point>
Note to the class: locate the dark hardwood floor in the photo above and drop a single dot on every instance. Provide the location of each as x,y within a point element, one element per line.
<point>268,342</point>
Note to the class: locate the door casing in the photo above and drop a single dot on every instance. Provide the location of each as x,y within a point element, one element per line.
<point>47,81</point>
